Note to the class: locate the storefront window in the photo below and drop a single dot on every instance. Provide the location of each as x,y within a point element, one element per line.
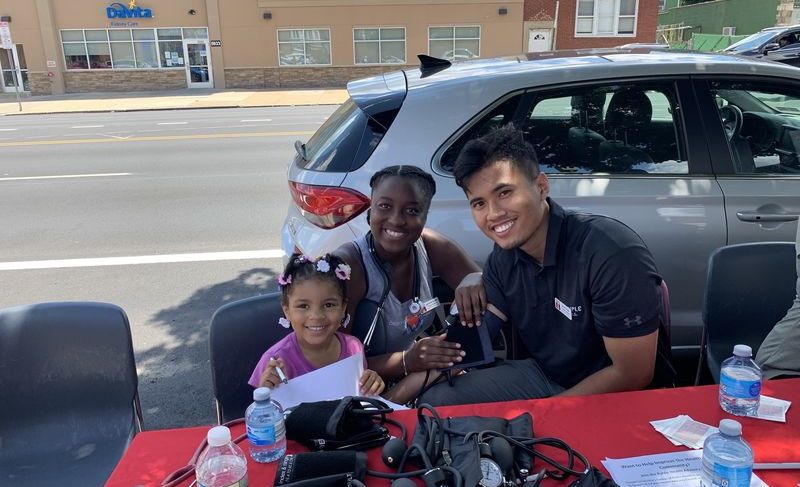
<point>146,55</point>
<point>454,43</point>
<point>195,33</point>
<point>99,55</point>
<point>128,48</point>
<point>380,45</point>
<point>304,47</point>
<point>75,56</point>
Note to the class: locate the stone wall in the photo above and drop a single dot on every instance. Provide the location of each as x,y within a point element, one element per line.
<point>39,83</point>
<point>300,77</point>
<point>124,80</point>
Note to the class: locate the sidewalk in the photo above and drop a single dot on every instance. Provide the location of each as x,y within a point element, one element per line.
<point>167,100</point>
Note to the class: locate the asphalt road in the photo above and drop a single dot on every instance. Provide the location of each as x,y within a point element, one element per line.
<point>89,200</point>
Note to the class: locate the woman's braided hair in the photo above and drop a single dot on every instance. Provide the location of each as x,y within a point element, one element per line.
<point>416,176</point>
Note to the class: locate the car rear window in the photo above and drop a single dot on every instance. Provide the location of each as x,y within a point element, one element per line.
<point>345,141</point>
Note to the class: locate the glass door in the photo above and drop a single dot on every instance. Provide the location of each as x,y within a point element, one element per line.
<point>198,64</point>
<point>12,70</point>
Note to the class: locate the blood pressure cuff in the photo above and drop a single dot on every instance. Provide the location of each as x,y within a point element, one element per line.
<point>463,455</point>
<point>341,424</point>
<point>321,469</point>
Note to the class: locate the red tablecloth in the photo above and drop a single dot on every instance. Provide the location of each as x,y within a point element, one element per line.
<point>600,426</point>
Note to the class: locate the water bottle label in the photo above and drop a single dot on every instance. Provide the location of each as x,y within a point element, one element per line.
<point>261,435</point>
<point>745,389</point>
<point>731,476</point>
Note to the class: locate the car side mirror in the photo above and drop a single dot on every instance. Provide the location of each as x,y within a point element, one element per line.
<point>772,46</point>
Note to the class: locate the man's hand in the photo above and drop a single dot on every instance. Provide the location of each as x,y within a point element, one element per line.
<point>269,378</point>
<point>471,299</point>
<point>433,353</point>
<point>370,383</point>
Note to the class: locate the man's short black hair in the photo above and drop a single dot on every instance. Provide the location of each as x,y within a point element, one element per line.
<point>505,143</point>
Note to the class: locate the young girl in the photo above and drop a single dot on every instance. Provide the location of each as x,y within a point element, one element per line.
<point>314,305</point>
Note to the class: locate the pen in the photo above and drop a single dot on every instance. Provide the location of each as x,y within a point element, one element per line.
<point>280,373</point>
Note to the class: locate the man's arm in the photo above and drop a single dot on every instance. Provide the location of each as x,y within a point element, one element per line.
<point>632,367</point>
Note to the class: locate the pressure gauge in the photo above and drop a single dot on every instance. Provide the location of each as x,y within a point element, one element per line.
<point>492,475</point>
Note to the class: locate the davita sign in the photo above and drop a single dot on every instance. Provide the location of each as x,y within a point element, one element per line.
<point>119,11</point>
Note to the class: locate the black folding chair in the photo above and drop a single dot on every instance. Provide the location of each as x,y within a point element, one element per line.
<point>69,405</point>
<point>749,288</point>
<point>240,333</point>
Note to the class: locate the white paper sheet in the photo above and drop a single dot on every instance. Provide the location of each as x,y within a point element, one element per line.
<point>334,381</point>
<point>665,469</point>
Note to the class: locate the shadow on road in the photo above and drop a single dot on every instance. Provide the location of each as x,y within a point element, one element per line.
<point>175,377</point>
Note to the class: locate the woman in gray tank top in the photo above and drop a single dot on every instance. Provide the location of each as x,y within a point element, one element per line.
<point>400,250</point>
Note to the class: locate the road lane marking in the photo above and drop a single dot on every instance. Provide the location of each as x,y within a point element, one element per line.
<point>7,130</point>
<point>156,138</point>
<point>257,120</point>
<point>66,176</point>
<point>142,259</point>
<point>172,123</point>
<point>87,126</point>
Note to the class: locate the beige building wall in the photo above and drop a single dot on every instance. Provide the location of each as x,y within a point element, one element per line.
<point>251,41</point>
<point>248,56</point>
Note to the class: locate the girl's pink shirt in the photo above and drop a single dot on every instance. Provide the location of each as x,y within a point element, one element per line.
<point>295,362</point>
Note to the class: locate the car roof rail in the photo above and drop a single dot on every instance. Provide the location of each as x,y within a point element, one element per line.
<point>429,65</point>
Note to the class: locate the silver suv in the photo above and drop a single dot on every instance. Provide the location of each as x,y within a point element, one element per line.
<point>693,151</point>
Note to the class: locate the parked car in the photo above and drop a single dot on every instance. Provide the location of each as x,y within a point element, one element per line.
<point>775,43</point>
<point>692,150</point>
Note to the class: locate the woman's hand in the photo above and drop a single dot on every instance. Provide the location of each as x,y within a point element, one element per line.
<point>471,299</point>
<point>370,383</point>
<point>270,378</point>
<point>433,353</point>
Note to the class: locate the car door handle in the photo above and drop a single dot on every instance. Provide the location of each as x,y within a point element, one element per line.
<point>756,217</point>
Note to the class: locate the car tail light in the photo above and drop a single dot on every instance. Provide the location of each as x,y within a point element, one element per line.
<point>327,207</point>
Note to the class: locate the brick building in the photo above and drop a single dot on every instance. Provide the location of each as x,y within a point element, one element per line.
<point>579,24</point>
<point>101,45</point>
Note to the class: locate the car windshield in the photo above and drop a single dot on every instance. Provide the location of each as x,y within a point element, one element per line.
<point>779,103</point>
<point>750,42</point>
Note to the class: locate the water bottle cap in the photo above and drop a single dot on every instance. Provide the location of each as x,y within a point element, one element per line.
<point>261,394</point>
<point>742,351</point>
<point>730,427</point>
<point>218,436</point>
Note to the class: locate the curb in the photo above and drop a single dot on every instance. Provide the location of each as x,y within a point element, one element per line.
<point>109,110</point>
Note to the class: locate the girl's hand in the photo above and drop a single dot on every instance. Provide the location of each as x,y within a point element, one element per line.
<point>270,378</point>
<point>470,297</point>
<point>433,353</point>
<point>370,383</point>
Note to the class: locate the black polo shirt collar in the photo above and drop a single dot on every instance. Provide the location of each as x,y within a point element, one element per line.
<point>555,218</point>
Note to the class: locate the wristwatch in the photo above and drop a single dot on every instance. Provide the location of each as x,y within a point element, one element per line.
<point>492,474</point>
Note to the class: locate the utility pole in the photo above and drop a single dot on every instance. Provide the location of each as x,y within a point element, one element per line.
<point>6,43</point>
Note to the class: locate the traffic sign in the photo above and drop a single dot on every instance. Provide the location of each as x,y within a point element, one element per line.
<point>5,36</point>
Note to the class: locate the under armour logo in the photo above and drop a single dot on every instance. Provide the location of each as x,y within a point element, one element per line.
<point>636,320</point>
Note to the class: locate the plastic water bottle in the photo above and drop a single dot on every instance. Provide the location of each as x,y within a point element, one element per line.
<point>265,427</point>
<point>740,383</point>
<point>222,464</point>
<point>727,458</point>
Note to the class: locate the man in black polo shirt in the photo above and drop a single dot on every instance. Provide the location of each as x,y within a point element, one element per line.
<point>581,291</point>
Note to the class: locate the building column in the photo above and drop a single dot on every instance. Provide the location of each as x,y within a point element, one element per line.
<point>51,45</point>
<point>215,33</point>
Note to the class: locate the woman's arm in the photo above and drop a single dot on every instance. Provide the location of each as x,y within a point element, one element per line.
<point>357,285</point>
<point>460,272</point>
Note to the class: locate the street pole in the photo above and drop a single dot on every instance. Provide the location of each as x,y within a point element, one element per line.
<point>7,43</point>
<point>15,71</point>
